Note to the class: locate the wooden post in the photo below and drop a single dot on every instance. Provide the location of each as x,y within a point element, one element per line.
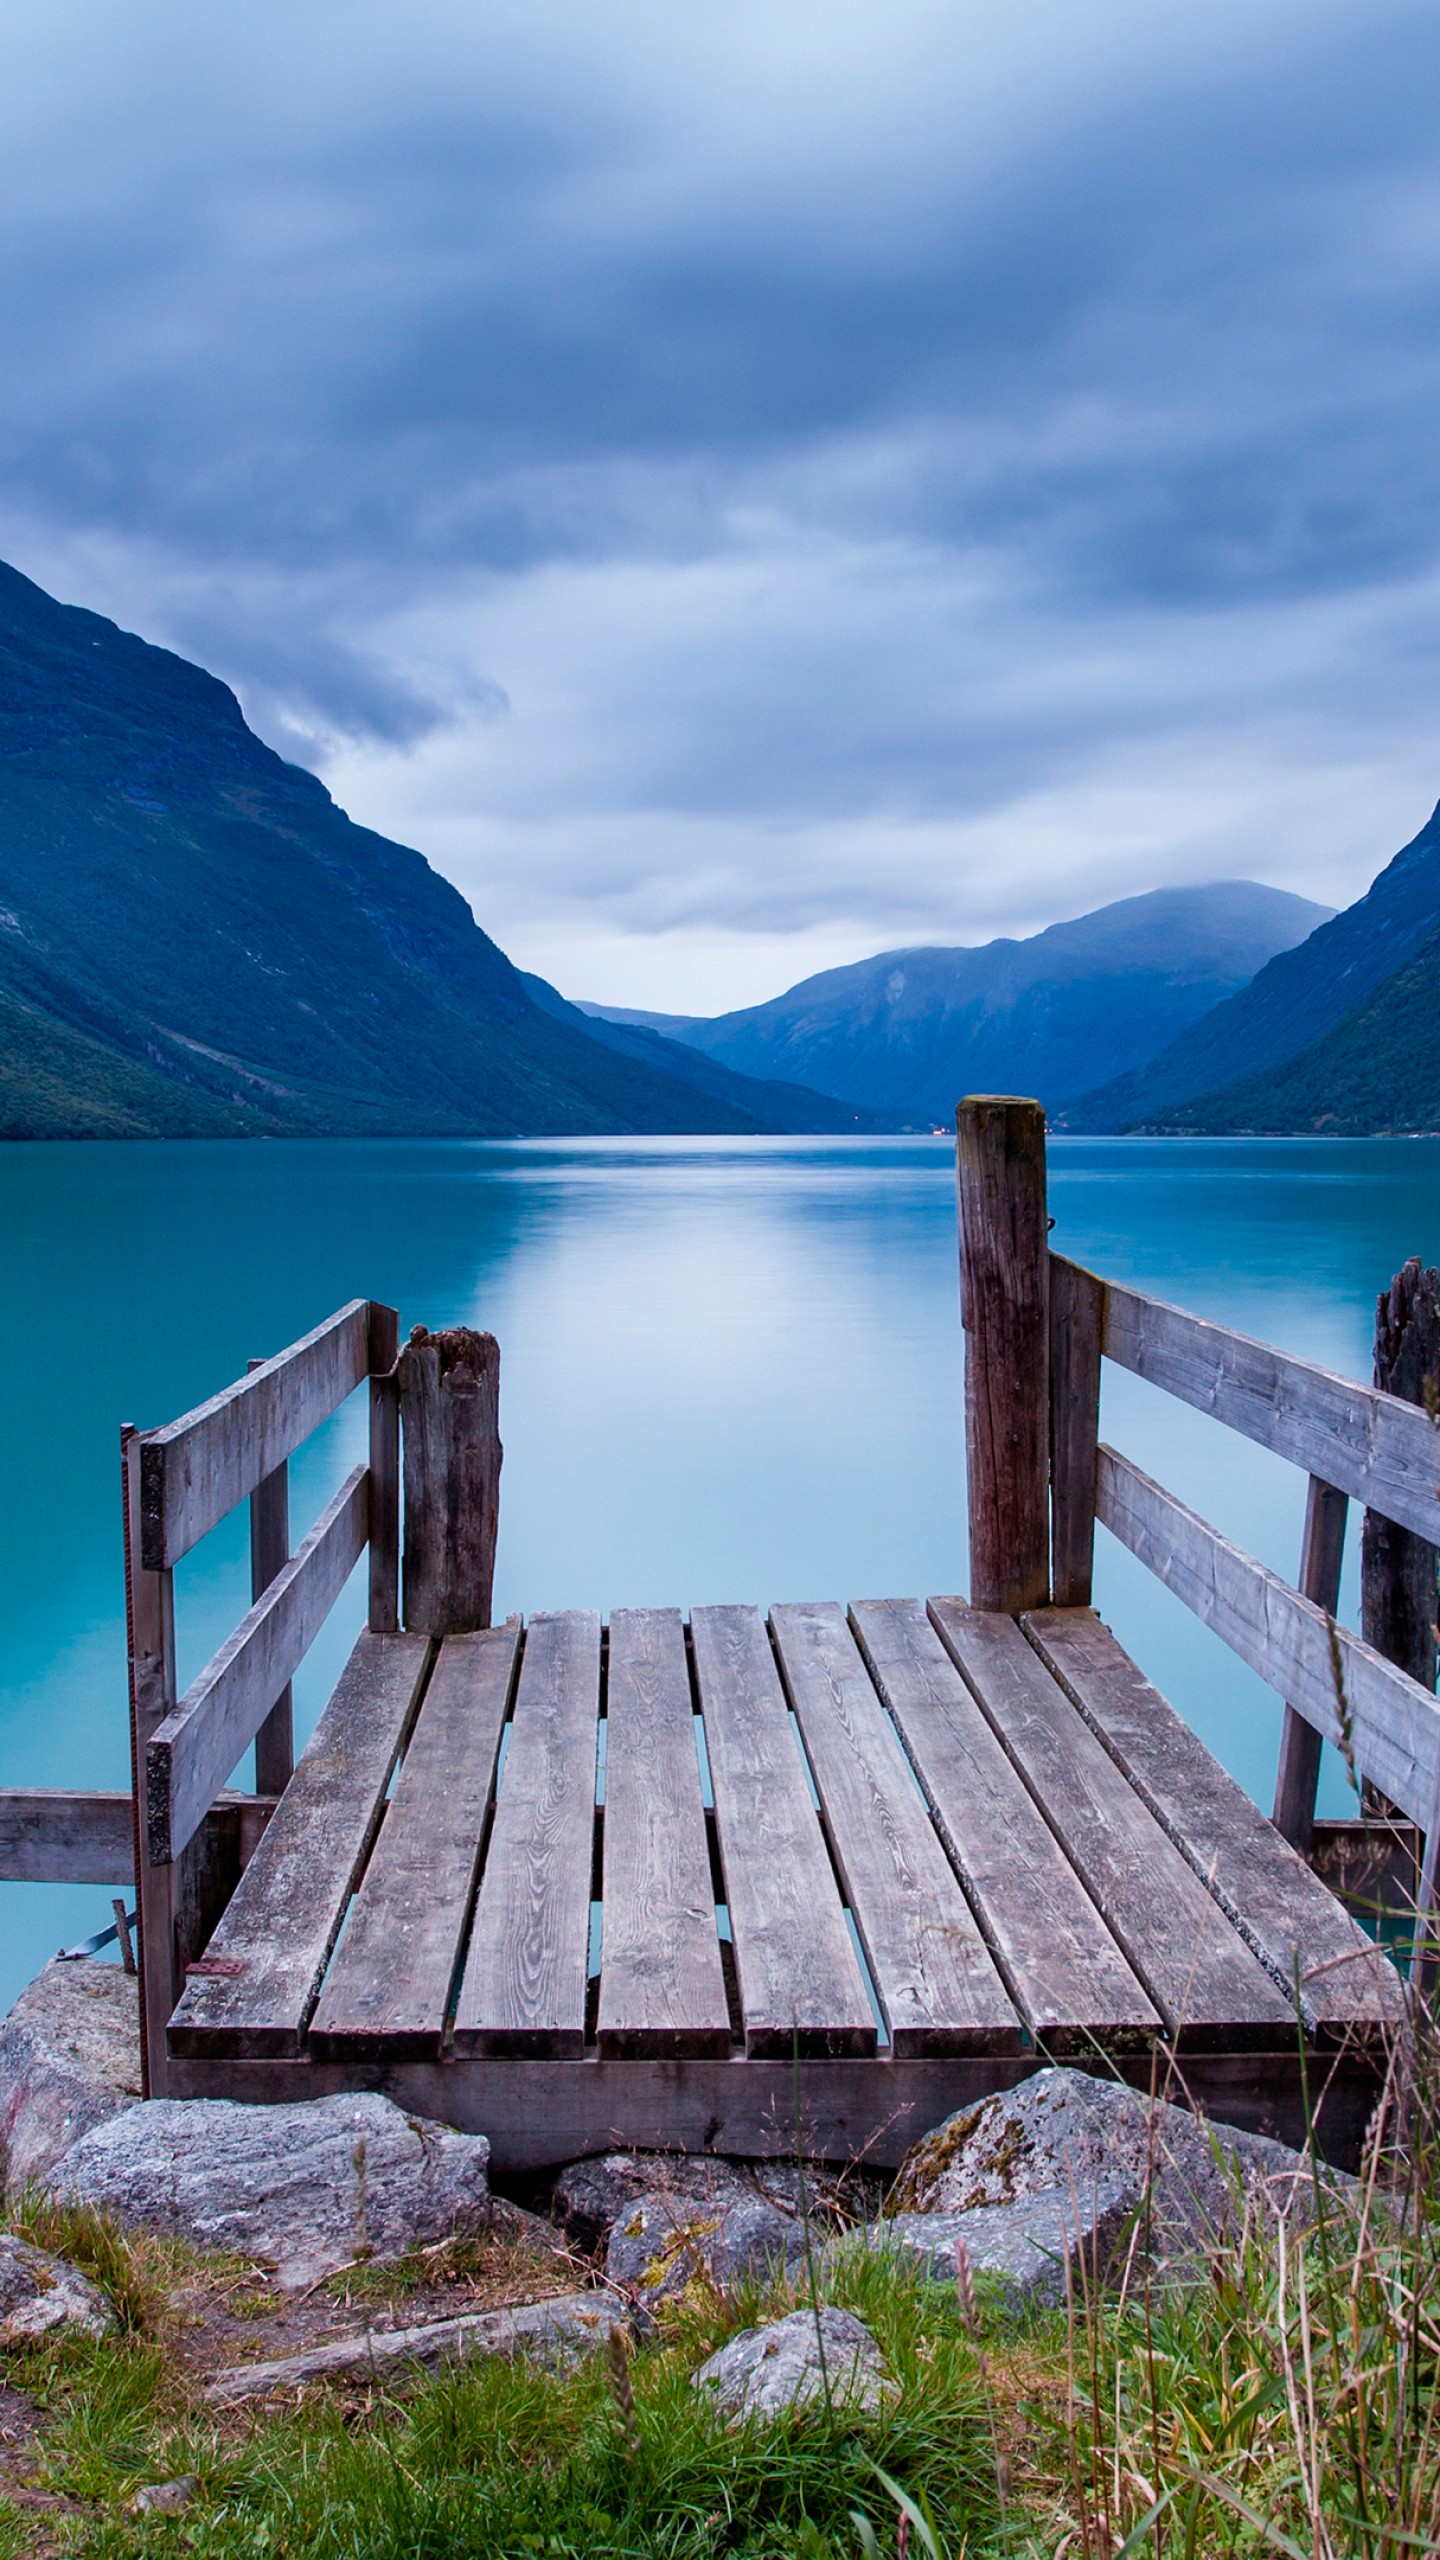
<point>1004,1297</point>
<point>1077,1329</point>
<point>1298,1775</point>
<point>150,1643</point>
<point>449,1406</point>
<point>384,1616</point>
<point>269,1550</point>
<point>1397,1568</point>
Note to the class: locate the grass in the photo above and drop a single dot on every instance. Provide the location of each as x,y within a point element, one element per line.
<point>1284,2401</point>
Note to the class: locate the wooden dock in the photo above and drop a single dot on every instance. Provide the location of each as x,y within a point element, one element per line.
<point>737,1878</point>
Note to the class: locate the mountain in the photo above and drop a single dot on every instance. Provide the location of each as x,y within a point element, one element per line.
<point>1051,1016</point>
<point>195,941</point>
<point>794,1108</point>
<point>1376,1073</point>
<point>1297,998</point>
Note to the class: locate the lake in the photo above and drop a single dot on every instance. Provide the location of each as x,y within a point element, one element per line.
<point>731,1370</point>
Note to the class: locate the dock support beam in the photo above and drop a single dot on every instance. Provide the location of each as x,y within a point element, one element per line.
<point>1004,1299</point>
<point>450,1411</point>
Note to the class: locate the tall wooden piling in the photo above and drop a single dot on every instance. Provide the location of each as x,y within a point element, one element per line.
<point>1004,1296</point>
<point>450,1414</point>
<point>1398,1568</point>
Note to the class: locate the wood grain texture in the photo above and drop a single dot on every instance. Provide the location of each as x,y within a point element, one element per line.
<point>936,1980</point>
<point>1398,1568</point>
<point>1004,1302</point>
<point>269,1551</point>
<point>450,1417</point>
<point>384,1614</point>
<point>662,1990</point>
<point>264,1965</point>
<point>1208,1987</point>
<point>800,1985</point>
<point>1077,1321</point>
<point>1394,1723</point>
<point>52,1835</point>
<point>1322,1554</point>
<point>189,1756</point>
<point>525,1977</point>
<point>1298,1930</point>
<point>388,1989</point>
<point>1375,1447</point>
<point>1069,1980</point>
<point>195,1470</point>
<point>150,1663</point>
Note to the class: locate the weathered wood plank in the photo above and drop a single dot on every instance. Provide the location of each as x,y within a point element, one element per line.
<point>1301,1934</point>
<point>269,1551</point>
<point>1398,1597</point>
<point>384,1614</point>
<point>55,1835</point>
<point>1394,1725</point>
<point>934,1975</point>
<point>1004,1301</point>
<point>189,1756</point>
<point>1068,1978</point>
<point>1322,1554</point>
<point>1378,1449</point>
<point>388,1989</point>
<point>523,1990</point>
<point>1209,1988</point>
<point>662,1990</point>
<point>150,1666</point>
<point>800,1986</point>
<point>1077,1316</point>
<point>450,1414</point>
<point>195,1470</point>
<point>256,1987</point>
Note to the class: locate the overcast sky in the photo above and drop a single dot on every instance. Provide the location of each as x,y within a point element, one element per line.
<point>744,483</point>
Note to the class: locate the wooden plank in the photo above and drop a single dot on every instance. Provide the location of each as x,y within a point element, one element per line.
<point>269,1551</point>
<point>450,1413</point>
<point>388,1989</point>
<point>1322,1554</point>
<point>662,1989</point>
<point>1297,1929</point>
<point>525,1976</point>
<point>1077,1317</point>
<point>258,1982</point>
<point>1375,1447</point>
<point>195,1470</point>
<point>150,1664</point>
<point>1004,1301</point>
<point>1067,1976</point>
<point>54,1835</point>
<point>192,1753</point>
<point>1393,1724</point>
<point>800,1985</point>
<point>934,1976</point>
<point>1397,1568</point>
<point>1208,1987</point>
<point>384,1471</point>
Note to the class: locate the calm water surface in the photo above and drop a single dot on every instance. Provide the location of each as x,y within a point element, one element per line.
<point>730,1371</point>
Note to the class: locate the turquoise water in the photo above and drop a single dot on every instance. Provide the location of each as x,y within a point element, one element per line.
<point>730,1370</point>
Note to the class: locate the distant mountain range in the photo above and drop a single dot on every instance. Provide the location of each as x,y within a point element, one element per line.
<point>1053,1016</point>
<point>195,941</point>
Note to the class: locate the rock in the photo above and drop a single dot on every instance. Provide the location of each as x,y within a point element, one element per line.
<point>666,2218</point>
<point>557,2332</point>
<point>69,2058</point>
<point>165,2497</point>
<point>1036,2246</point>
<point>1066,2132</point>
<point>590,2195</point>
<point>307,2188</point>
<point>765,2371</point>
<point>40,2294</point>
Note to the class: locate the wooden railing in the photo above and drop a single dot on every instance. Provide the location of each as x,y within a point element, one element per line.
<point>1037,1330</point>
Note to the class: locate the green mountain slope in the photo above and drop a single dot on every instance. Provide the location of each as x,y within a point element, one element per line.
<point>1293,1001</point>
<point>195,941</point>
<point>1086,999</point>
<point>1376,1074</point>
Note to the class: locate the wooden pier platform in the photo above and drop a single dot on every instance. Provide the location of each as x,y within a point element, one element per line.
<point>741,1880</point>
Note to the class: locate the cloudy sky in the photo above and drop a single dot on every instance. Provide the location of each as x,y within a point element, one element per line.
<point>746,483</point>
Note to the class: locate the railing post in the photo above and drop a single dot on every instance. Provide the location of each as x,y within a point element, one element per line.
<point>1397,1568</point>
<point>384,1614</point>
<point>1077,1331</point>
<point>150,1644</point>
<point>269,1550</point>
<point>1298,1776</point>
<point>1004,1296</point>
<point>450,1409</point>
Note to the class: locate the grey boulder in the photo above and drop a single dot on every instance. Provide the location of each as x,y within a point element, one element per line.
<point>664,2219</point>
<point>1038,2248</point>
<point>69,2059</point>
<point>41,2294</point>
<point>1070,2133</point>
<point>789,2364</point>
<point>306,2188</point>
